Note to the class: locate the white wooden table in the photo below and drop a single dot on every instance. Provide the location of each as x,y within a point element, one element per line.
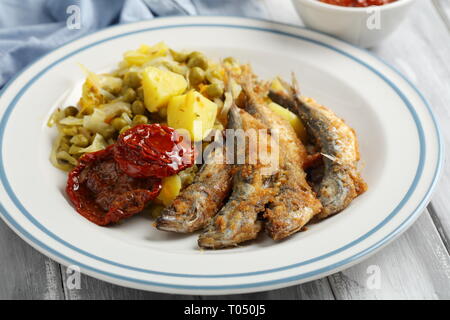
<point>415,266</point>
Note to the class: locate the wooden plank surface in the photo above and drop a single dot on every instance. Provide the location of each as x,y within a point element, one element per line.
<point>414,266</point>
<point>435,66</point>
<point>24,272</point>
<point>315,290</point>
<point>426,62</point>
<point>439,208</point>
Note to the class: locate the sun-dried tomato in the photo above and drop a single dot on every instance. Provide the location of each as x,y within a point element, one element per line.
<point>153,150</point>
<point>104,194</point>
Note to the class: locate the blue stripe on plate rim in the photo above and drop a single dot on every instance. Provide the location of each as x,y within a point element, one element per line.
<point>404,224</point>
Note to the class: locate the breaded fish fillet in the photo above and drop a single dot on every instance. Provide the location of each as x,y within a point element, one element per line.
<point>200,201</point>
<point>295,203</point>
<point>238,220</point>
<point>338,143</point>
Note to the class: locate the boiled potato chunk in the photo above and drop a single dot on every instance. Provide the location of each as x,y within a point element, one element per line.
<point>171,187</point>
<point>146,53</point>
<point>295,121</point>
<point>192,112</point>
<point>159,86</point>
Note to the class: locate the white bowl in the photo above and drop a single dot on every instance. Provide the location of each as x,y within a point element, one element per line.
<point>364,27</point>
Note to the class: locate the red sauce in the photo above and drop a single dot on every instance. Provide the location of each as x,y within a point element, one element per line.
<point>358,3</point>
<point>118,182</point>
<point>153,150</point>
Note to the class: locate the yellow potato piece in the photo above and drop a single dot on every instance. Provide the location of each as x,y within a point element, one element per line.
<point>293,119</point>
<point>159,86</point>
<point>192,112</point>
<point>276,85</point>
<point>171,187</point>
<point>146,53</point>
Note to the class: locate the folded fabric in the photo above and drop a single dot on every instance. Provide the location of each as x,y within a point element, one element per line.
<point>31,28</point>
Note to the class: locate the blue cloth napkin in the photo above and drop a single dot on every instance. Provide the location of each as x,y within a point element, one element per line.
<point>31,28</point>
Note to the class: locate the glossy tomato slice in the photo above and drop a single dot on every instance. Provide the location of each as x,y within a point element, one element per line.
<point>153,150</point>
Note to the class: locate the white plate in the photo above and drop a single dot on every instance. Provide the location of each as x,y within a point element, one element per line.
<point>400,146</point>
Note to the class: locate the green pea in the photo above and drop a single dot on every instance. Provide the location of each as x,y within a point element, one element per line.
<point>118,123</point>
<point>80,140</point>
<point>124,129</point>
<point>214,91</point>
<point>129,95</point>
<point>116,90</point>
<point>140,93</point>
<point>138,107</point>
<point>197,59</point>
<point>179,56</point>
<point>139,119</point>
<point>196,76</point>
<point>70,111</point>
<point>108,132</point>
<point>132,80</point>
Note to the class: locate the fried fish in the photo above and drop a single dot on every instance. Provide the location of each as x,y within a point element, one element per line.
<point>237,221</point>
<point>294,203</point>
<point>341,181</point>
<point>200,201</point>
